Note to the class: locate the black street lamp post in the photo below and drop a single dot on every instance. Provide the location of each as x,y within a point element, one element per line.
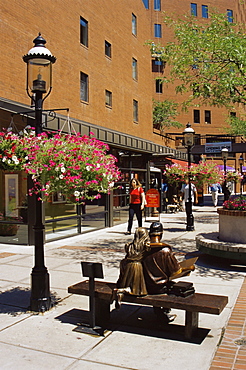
<point>241,162</point>
<point>189,134</point>
<point>39,77</point>
<point>224,153</point>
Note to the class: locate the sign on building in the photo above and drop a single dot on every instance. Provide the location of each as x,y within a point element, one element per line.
<point>217,147</point>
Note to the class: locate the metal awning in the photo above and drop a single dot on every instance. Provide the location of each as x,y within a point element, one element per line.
<point>114,138</point>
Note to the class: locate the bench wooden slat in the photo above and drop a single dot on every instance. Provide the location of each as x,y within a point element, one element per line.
<point>198,302</point>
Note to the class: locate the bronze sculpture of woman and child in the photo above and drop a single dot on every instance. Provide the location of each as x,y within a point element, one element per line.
<point>148,267</point>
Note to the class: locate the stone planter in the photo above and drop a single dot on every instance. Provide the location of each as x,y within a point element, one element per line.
<point>232,225</point>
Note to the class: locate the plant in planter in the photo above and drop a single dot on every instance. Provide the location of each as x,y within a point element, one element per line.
<point>237,203</point>
<point>8,229</point>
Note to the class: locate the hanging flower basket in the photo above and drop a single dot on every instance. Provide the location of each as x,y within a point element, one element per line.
<point>233,176</point>
<point>206,172</point>
<point>174,174</point>
<point>73,164</point>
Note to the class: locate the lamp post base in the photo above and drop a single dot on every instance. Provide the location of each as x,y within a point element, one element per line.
<point>190,222</point>
<point>40,300</point>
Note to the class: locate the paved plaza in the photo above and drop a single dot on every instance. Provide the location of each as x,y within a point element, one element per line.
<point>134,339</point>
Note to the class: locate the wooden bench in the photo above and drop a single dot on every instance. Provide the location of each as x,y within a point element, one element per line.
<point>206,303</point>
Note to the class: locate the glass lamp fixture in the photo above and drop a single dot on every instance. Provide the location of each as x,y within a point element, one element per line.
<point>39,68</point>
<point>188,134</point>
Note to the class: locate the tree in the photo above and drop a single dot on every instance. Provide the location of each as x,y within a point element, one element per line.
<point>164,114</point>
<point>207,59</point>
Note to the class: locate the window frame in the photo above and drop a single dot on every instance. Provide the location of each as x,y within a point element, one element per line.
<point>146,3</point>
<point>193,9</point>
<point>205,11</point>
<point>134,69</point>
<point>84,32</point>
<point>134,24</point>
<point>157,30</point>
<point>108,49</point>
<point>158,86</point>
<point>157,5</point>
<point>207,114</point>
<point>84,87</point>
<point>229,15</point>
<point>196,116</point>
<point>108,94</point>
<point>135,111</point>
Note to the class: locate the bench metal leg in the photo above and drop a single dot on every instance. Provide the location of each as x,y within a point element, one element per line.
<point>102,309</point>
<point>191,323</point>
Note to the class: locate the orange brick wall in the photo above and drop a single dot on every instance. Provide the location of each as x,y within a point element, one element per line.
<point>59,23</point>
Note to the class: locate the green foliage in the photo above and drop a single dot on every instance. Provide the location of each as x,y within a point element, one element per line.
<point>164,114</point>
<point>208,59</point>
<point>237,126</point>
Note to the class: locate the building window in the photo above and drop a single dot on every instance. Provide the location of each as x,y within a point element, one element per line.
<point>204,11</point>
<point>134,69</point>
<point>107,49</point>
<point>193,9</point>
<point>83,31</point>
<point>207,116</point>
<point>157,4</point>
<point>84,87</point>
<point>158,86</point>
<point>196,115</point>
<point>157,30</point>
<point>108,98</point>
<point>146,3</point>
<point>135,110</point>
<point>230,15</point>
<point>134,24</point>
<point>157,66</point>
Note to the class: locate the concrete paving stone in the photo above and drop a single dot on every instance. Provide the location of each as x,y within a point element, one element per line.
<point>136,351</point>
<point>54,336</point>
<point>23,249</point>
<point>18,357</point>
<point>10,315</point>
<point>90,365</point>
<point>16,273</point>
<point>63,279</point>
<point>50,262</point>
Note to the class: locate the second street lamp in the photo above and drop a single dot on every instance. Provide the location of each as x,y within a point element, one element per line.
<point>241,162</point>
<point>224,153</point>
<point>39,76</point>
<point>188,135</point>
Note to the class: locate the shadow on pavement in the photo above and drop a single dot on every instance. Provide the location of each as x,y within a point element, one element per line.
<point>141,321</point>
<point>16,300</point>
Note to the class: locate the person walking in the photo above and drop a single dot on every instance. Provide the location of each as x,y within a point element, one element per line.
<point>137,201</point>
<point>214,189</point>
<point>185,191</point>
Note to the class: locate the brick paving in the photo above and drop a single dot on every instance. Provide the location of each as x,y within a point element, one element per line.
<point>231,352</point>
